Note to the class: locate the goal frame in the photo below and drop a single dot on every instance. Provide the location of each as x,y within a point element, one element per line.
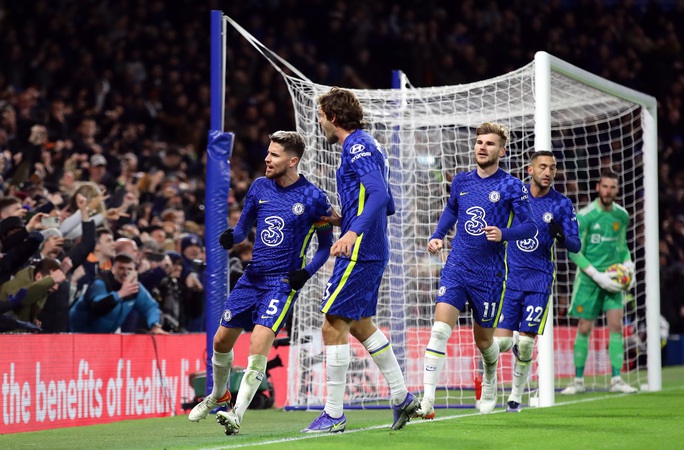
<point>544,65</point>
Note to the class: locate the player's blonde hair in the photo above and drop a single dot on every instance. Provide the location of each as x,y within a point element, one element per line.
<point>494,128</point>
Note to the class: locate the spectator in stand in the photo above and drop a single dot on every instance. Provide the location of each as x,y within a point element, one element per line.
<point>192,282</point>
<point>38,281</point>
<point>99,260</point>
<point>18,244</point>
<point>97,173</point>
<point>111,297</point>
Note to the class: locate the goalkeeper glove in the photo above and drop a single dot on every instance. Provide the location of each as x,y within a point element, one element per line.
<point>632,273</point>
<point>603,279</point>
<point>226,239</point>
<point>298,278</point>
<point>556,231</point>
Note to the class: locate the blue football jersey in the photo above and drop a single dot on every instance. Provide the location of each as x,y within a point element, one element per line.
<point>480,202</point>
<point>361,155</point>
<point>530,261</point>
<point>286,218</point>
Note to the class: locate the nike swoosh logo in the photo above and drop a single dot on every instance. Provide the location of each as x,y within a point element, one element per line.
<point>430,369</point>
<point>462,193</point>
<point>266,317</point>
<point>263,201</point>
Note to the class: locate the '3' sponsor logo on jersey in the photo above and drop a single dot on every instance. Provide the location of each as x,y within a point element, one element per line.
<point>474,226</point>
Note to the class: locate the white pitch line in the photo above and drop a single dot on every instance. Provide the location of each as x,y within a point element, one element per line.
<point>413,424</point>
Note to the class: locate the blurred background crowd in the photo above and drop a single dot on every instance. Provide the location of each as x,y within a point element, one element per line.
<point>104,110</point>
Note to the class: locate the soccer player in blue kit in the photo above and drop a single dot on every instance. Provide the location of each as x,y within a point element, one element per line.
<point>531,272</point>
<point>362,253</point>
<point>287,210</point>
<point>482,203</point>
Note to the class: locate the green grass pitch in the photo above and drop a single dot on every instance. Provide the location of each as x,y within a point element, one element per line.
<point>593,420</point>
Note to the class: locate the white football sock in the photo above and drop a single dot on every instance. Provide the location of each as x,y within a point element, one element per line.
<point>251,380</point>
<point>380,349</point>
<point>504,342</point>
<point>435,355</point>
<point>521,368</point>
<point>490,359</point>
<point>337,361</point>
<point>220,363</point>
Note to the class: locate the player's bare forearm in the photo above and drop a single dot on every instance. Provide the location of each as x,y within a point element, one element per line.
<point>344,246</point>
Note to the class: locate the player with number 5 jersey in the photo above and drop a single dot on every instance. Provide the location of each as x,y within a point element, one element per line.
<point>482,204</point>
<point>286,209</point>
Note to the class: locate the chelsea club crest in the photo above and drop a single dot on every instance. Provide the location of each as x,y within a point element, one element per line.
<point>227,315</point>
<point>298,209</point>
<point>494,196</point>
<point>547,217</point>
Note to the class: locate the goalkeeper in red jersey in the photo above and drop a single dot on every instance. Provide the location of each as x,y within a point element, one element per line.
<point>603,230</point>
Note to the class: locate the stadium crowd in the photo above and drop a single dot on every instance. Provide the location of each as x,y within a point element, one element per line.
<point>105,110</point>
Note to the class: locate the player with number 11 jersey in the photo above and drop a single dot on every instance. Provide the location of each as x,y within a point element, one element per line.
<point>476,203</point>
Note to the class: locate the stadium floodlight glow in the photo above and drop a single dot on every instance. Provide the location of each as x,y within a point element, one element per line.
<point>588,122</point>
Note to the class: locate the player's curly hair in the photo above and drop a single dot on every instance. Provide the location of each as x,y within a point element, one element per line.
<point>342,107</point>
<point>494,128</point>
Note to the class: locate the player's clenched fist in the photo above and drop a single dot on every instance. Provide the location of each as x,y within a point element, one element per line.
<point>435,245</point>
<point>226,239</point>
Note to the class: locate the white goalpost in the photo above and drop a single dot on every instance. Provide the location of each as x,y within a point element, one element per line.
<point>588,122</point>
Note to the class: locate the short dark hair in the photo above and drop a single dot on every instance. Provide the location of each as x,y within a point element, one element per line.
<point>123,258</point>
<point>47,265</point>
<point>344,106</point>
<point>8,201</point>
<point>291,141</point>
<point>608,173</point>
<point>539,153</point>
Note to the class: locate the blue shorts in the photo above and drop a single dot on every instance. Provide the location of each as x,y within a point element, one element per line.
<point>259,300</point>
<point>525,311</point>
<point>352,291</point>
<point>484,297</point>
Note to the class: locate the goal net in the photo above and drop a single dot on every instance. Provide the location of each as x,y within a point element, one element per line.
<point>428,134</point>
<point>588,122</point>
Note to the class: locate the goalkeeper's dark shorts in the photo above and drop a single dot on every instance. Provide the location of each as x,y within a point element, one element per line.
<point>352,291</point>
